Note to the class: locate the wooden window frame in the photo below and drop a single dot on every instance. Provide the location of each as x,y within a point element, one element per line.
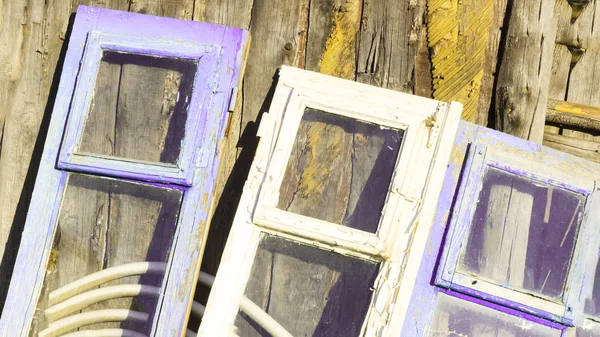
<point>429,127</point>
<point>470,139</point>
<point>206,56</point>
<point>224,50</point>
<point>543,169</point>
<point>589,261</point>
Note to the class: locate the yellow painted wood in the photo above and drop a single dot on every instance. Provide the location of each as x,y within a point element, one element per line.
<point>339,58</point>
<point>458,33</point>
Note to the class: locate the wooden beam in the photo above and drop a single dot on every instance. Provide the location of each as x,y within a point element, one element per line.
<point>573,114</point>
<point>579,147</point>
<point>523,78</point>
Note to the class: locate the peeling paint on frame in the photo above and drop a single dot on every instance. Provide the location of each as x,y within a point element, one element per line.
<point>136,30</point>
<point>407,215</point>
<point>423,299</point>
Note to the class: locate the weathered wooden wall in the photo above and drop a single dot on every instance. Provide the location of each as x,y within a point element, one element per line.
<point>502,58</point>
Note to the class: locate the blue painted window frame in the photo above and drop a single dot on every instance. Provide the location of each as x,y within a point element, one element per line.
<point>463,178</point>
<point>224,49</point>
<point>206,56</point>
<point>460,224</point>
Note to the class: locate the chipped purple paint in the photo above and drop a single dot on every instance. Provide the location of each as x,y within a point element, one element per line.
<point>474,165</point>
<point>422,302</point>
<point>499,302</point>
<point>423,299</point>
<point>461,222</point>
<point>513,312</point>
<point>208,132</point>
<point>207,58</point>
<point>533,176</point>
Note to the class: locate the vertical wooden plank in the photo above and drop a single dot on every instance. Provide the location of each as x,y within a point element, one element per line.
<point>275,28</point>
<point>585,73</point>
<point>147,99</point>
<point>561,65</point>
<point>31,36</point>
<point>339,56</point>
<point>235,13</point>
<point>392,51</point>
<point>321,21</point>
<point>148,217</point>
<point>490,65</point>
<point>523,78</point>
<point>459,35</point>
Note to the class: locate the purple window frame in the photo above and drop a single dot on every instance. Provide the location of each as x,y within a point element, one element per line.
<point>470,140</point>
<point>206,56</point>
<point>222,50</point>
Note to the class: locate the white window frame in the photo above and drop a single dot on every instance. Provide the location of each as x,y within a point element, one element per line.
<point>429,128</point>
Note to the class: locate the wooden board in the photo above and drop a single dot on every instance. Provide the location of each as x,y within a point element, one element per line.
<point>524,77</point>
<point>32,38</point>
<point>573,101</point>
<point>458,33</point>
<point>392,47</point>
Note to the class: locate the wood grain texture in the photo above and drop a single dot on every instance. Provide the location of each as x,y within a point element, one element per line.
<point>80,245</point>
<point>339,56</point>
<point>392,47</point>
<point>98,221</point>
<point>31,39</point>
<point>506,235</point>
<point>574,145</point>
<point>491,63</point>
<point>458,33</point>
<point>274,28</point>
<point>332,290</point>
<point>524,75</point>
<point>573,102</point>
<point>573,115</point>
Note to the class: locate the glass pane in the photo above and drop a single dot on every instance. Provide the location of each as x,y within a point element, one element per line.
<point>454,317</point>
<point>523,233</point>
<point>105,223</point>
<point>307,290</point>
<point>139,107</point>
<point>340,170</point>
